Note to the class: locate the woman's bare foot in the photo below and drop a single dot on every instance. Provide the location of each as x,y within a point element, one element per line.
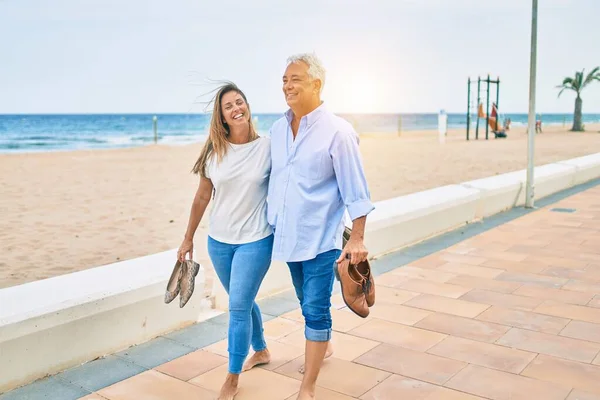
<point>229,388</point>
<point>259,358</point>
<point>328,353</point>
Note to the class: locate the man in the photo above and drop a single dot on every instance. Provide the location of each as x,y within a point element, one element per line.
<point>316,174</point>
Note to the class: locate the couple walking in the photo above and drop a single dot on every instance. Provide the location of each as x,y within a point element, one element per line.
<point>279,198</point>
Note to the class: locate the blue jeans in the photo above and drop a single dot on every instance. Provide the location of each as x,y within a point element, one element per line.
<point>241,269</point>
<point>313,281</point>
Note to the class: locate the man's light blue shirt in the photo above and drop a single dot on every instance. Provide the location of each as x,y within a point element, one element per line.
<point>314,178</point>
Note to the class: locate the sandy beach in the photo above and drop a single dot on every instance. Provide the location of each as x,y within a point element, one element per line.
<point>68,211</point>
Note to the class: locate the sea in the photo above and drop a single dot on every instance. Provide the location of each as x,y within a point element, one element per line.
<point>56,132</point>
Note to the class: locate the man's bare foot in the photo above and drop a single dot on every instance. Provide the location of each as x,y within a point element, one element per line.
<point>229,388</point>
<point>259,358</point>
<point>328,353</point>
<point>306,394</point>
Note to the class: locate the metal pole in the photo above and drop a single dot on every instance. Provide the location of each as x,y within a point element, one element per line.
<point>155,128</point>
<point>487,109</point>
<point>531,118</point>
<point>478,101</point>
<point>468,106</point>
<point>498,105</point>
<point>399,124</point>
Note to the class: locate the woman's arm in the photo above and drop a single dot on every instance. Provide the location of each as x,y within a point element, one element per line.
<point>201,200</point>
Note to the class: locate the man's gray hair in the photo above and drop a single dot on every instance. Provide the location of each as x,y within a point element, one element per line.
<point>315,67</point>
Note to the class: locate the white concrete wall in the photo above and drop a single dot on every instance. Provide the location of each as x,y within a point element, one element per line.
<point>112,307</point>
<point>53,324</point>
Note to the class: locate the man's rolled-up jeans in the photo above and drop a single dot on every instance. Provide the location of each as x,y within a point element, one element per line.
<point>313,281</point>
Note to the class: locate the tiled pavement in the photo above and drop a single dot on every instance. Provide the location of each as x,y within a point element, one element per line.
<point>511,312</point>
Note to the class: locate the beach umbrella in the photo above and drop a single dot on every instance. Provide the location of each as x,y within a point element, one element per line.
<point>531,117</point>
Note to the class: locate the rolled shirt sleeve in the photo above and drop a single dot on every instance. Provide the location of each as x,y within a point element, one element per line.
<point>350,174</point>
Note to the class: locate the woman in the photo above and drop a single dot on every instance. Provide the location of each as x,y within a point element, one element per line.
<point>234,168</point>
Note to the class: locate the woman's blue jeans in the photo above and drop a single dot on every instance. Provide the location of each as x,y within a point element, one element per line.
<point>241,269</point>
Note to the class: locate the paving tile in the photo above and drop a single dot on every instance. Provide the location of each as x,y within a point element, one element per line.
<point>554,261</point>
<point>581,313</point>
<point>412,364</point>
<point>281,353</point>
<point>345,347</point>
<point>498,385</point>
<point>153,385</point>
<point>448,394</point>
<point>462,258</point>
<point>571,273</point>
<point>154,353</point>
<point>325,394</point>
<point>571,349</point>
<point>397,313</point>
<point>582,286</point>
<point>399,387</point>
<point>463,327</point>
<point>483,354</point>
<point>487,284</point>
<point>385,295</point>
<point>345,320</point>
<point>502,299</point>
<point>93,396</point>
<point>390,280</point>
<point>340,376</point>
<point>470,270</point>
<point>256,384</point>
<point>277,306</point>
<point>514,266</point>
<point>594,302</point>
<point>294,315</point>
<point>44,389</point>
<point>440,289</point>
<point>447,305</point>
<point>398,335</point>
<point>410,272</point>
<point>280,327</point>
<point>499,255</point>
<point>191,365</point>
<point>566,373</point>
<point>582,330</point>
<point>579,395</point>
<point>532,279</point>
<point>100,373</point>
<point>524,319</point>
<point>431,261</point>
<point>564,296</point>
<point>199,335</point>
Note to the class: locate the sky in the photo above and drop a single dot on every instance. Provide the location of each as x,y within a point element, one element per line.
<point>381,56</point>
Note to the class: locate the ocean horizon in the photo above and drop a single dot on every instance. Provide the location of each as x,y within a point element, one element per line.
<point>58,132</point>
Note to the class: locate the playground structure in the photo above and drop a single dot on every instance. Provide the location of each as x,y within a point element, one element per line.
<point>493,120</point>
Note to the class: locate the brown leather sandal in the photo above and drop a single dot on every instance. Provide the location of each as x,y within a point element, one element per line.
<point>354,279</point>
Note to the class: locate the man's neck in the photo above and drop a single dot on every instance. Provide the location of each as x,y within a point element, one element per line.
<point>300,112</point>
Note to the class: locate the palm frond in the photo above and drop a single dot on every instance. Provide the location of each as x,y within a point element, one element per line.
<point>578,81</point>
<point>564,88</point>
<point>567,81</point>
<point>593,75</point>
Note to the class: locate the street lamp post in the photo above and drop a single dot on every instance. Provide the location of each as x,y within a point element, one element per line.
<point>531,118</point>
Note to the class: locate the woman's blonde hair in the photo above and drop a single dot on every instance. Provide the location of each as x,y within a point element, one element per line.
<point>217,142</point>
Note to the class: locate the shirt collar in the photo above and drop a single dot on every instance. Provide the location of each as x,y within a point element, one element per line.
<point>311,117</point>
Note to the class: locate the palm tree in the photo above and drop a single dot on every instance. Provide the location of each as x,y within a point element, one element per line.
<point>577,84</point>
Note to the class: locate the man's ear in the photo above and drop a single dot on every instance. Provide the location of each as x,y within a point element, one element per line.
<point>317,85</point>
